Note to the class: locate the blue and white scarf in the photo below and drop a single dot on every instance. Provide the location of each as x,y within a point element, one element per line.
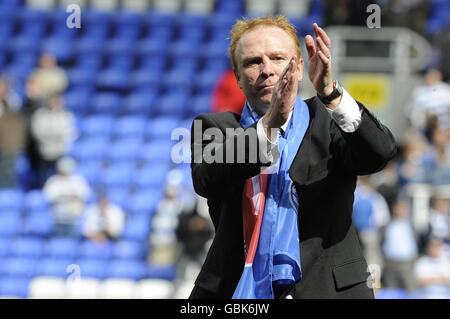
<point>274,260</point>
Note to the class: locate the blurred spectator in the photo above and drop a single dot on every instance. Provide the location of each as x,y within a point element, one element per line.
<point>164,223</point>
<point>48,79</point>
<point>103,220</point>
<point>336,12</point>
<point>432,98</point>
<point>412,14</point>
<point>53,131</point>
<point>443,47</point>
<point>227,95</point>
<point>433,270</point>
<point>370,216</point>
<point>12,137</point>
<point>440,218</point>
<point>193,233</point>
<point>418,160</point>
<point>400,249</point>
<point>67,193</point>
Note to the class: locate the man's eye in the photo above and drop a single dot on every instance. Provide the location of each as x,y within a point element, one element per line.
<point>250,63</point>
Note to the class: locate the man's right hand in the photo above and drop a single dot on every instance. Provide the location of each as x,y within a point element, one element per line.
<point>283,97</point>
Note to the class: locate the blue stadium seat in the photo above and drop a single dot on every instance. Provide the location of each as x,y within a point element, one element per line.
<point>77,100</point>
<point>24,43</point>
<point>27,247</point>
<point>4,247</point>
<point>89,61</point>
<point>118,195</point>
<point>29,15</point>
<point>95,18</point>
<point>172,103</point>
<point>93,148</point>
<point>161,127</point>
<point>207,79</point>
<point>139,102</point>
<point>128,249</point>
<point>14,287</point>
<point>62,247</point>
<point>90,249</point>
<point>35,200</point>
<point>135,270</point>
<point>60,48</point>
<point>18,267</point>
<point>222,20</point>
<point>38,223</point>
<point>215,49</point>
<point>151,176</point>
<point>152,47</point>
<point>10,224</point>
<point>54,267</point>
<point>178,79</point>
<point>113,79</point>
<point>160,19</point>
<point>91,170</point>
<point>157,151</point>
<point>137,228</point>
<point>391,293</point>
<point>141,203</point>
<point>127,32</point>
<point>130,126</point>
<point>184,48</point>
<point>99,125</point>
<point>118,174</point>
<point>152,64</point>
<point>11,199</point>
<point>121,62</point>
<point>18,71</point>
<point>81,77</point>
<point>162,272</point>
<point>146,78</point>
<point>10,6</point>
<point>125,149</point>
<point>90,45</point>
<point>92,267</point>
<point>201,104</point>
<point>127,17</point>
<point>106,103</point>
<point>187,20</point>
<point>6,31</point>
<point>192,33</point>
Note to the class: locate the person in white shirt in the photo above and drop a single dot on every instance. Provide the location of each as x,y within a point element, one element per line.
<point>103,220</point>
<point>433,270</point>
<point>67,192</point>
<point>52,130</point>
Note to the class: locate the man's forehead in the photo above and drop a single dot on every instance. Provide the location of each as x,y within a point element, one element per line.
<point>263,35</point>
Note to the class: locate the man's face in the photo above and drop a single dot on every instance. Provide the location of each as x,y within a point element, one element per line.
<point>261,55</point>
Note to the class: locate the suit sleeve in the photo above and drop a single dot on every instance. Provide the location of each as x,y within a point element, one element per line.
<point>220,159</point>
<point>366,150</point>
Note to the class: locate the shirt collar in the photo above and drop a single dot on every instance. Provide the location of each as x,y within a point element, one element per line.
<point>256,116</point>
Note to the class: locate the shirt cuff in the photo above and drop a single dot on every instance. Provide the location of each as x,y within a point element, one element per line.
<point>347,114</point>
<point>268,147</point>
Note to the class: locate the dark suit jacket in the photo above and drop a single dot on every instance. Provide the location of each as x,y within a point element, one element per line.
<point>324,173</point>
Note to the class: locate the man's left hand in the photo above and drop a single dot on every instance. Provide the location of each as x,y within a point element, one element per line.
<point>320,70</point>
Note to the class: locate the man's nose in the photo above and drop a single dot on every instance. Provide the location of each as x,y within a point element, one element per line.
<point>266,67</point>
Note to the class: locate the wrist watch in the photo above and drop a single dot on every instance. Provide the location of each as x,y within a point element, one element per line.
<point>337,91</point>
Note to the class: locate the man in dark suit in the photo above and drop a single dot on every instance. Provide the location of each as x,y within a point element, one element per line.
<point>342,140</point>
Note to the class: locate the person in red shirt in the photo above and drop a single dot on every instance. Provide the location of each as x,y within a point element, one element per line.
<point>227,95</point>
